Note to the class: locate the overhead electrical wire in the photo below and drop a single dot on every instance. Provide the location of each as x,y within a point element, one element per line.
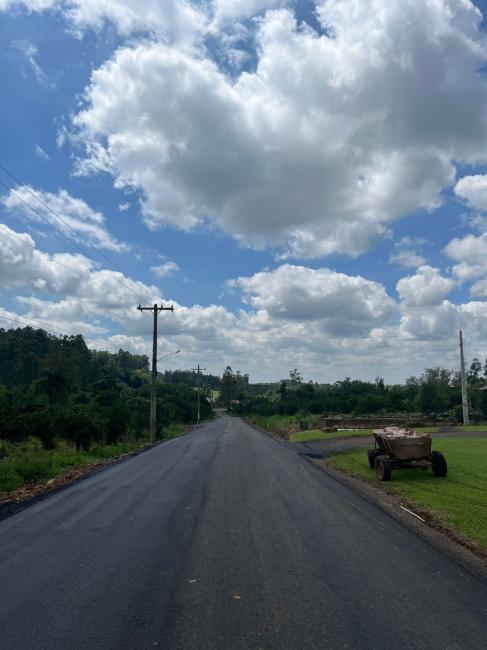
<point>80,275</point>
<point>58,216</point>
<point>28,323</point>
<point>59,230</point>
<point>255,336</point>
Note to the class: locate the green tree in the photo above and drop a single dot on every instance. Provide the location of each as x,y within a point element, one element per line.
<point>228,386</point>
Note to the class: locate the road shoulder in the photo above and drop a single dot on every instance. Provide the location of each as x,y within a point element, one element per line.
<point>438,536</point>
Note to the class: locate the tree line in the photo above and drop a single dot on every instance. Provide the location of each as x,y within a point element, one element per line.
<point>436,392</point>
<point>56,387</point>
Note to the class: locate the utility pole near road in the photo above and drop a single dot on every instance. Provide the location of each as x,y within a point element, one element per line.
<point>156,309</point>
<point>198,370</point>
<point>464,383</point>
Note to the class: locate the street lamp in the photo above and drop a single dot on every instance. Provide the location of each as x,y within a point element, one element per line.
<point>168,354</point>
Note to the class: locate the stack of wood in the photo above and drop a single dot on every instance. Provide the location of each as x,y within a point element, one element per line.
<point>399,432</point>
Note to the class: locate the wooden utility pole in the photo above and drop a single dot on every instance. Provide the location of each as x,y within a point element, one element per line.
<point>464,383</point>
<point>198,370</point>
<point>156,309</point>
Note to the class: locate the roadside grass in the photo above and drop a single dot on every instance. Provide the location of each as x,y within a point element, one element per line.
<point>458,501</point>
<point>282,425</point>
<point>316,434</point>
<point>27,463</point>
<point>472,427</point>
<point>173,431</point>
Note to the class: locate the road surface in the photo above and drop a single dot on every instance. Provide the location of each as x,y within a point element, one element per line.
<point>224,538</point>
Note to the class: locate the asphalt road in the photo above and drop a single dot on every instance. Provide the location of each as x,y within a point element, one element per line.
<point>226,539</point>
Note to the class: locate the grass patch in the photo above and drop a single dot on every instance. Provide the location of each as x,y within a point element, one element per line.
<point>173,431</point>
<point>472,427</point>
<point>459,500</point>
<point>28,464</point>
<point>282,425</point>
<point>316,434</point>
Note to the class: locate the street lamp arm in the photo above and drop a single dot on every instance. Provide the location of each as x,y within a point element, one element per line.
<point>168,354</point>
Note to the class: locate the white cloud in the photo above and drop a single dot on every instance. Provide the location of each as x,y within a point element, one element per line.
<point>40,153</point>
<point>439,319</point>
<point>479,289</point>
<point>29,5</point>
<point>123,207</point>
<point>473,190</point>
<point>344,331</point>
<point>29,53</point>
<point>342,304</point>
<point>426,288</point>
<point>237,9</point>
<point>179,20</point>
<point>165,269</point>
<point>327,141</point>
<point>407,258</point>
<point>470,253</point>
<point>77,220</point>
<point>61,274</point>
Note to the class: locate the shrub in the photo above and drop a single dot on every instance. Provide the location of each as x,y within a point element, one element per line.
<point>6,448</point>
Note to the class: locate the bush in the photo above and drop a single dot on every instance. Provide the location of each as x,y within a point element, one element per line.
<point>32,470</point>
<point>9,479</point>
<point>6,448</point>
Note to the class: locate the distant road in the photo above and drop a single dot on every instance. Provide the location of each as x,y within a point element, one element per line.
<point>226,539</point>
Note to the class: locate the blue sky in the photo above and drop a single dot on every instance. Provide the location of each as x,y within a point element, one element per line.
<point>305,181</point>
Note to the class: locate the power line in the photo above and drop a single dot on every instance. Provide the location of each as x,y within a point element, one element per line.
<point>31,321</point>
<point>83,277</point>
<point>255,336</point>
<point>72,242</point>
<point>48,207</point>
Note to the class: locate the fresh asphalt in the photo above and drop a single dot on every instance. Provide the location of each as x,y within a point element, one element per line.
<point>225,538</point>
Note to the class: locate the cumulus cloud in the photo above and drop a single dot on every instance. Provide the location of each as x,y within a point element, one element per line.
<point>340,303</point>
<point>224,10</point>
<point>406,254</point>
<point>165,269</point>
<point>348,328</point>
<point>424,289</point>
<point>22,264</point>
<point>330,138</point>
<point>407,258</point>
<point>178,20</point>
<point>473,190</point>
<point>479,289</point>
<point>70,215</point>
<point>470,253</point>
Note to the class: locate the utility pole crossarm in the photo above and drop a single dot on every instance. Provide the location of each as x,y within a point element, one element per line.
<point>156,310</point>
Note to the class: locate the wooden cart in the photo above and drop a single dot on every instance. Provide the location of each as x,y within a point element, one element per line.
<point>404,449</point>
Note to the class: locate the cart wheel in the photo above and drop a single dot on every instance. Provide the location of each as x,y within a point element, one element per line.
<point>383,468</point>
<point>438,464</point>
<point>372,455</point>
